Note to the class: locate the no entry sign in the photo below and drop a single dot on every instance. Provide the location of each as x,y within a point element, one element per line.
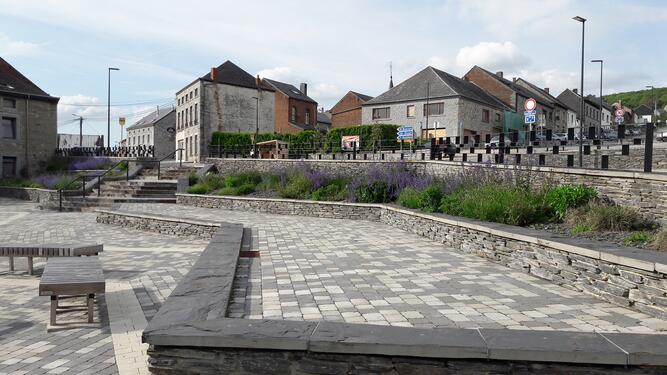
<point>530,104</point>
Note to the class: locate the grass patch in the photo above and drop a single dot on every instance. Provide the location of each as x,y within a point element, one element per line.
<point>17,182</point>
<point>409,198</point>
<point>580,228</point>
<point>297,186</point>
<point>638,238</point>
<point>603,217</point>
<point>660,241</point>
<point>335,191</point>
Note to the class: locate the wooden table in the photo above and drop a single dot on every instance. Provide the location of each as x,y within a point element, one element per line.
<point>72,276</point>
<point>47,251</point>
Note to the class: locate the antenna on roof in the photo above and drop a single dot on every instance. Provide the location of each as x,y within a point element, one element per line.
<point>391,76</point>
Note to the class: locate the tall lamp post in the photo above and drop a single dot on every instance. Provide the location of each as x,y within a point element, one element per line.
<point>256,124</point>
<point>597,133</point>
<point>655,104</point>
<point>582,118</point>
<point>109,106</point>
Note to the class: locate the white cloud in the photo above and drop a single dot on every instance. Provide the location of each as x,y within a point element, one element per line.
<point>438,62</point>
<point>325,92</point>
<point>281,73</point>
<point>10,47</point>
<point>492,56</point>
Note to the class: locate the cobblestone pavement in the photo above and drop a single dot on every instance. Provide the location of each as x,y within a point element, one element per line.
<point>366,272</point>
<point>141,269</point>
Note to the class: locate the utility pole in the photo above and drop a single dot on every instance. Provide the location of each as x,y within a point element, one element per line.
<point>655,104</point>
<point>109,106</point>
<point>597,134</point>
<point>582,114</point>
<point>80,129</point>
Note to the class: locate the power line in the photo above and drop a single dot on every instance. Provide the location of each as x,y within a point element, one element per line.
<point>118,104</point>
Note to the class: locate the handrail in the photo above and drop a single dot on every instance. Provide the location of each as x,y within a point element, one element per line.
<point>173,153</point>
<point>99,181</point>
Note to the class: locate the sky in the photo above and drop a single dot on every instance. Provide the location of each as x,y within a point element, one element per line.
<point>66,46</point>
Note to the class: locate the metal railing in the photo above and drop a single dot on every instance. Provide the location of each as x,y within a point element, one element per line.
<point>85,178</point>
<point>172,154</point>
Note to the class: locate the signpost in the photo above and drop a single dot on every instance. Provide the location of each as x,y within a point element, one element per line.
<point>349,142</point>
<point>121,122</point>
<point>405,133</point>
<point>619,116</point>
<point>529,115</point>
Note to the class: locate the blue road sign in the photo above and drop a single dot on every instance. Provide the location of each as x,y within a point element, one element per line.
<point>619,119</point>
<point>405,132</point>
<point>529,113</point>
<point>529,119</point>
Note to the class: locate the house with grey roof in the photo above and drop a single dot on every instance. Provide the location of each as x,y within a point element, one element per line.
<point>28,124</point>
<point>226,99</point>
<point>294,109</point>
<point>155,130</point>
<point>592,113</point>
<point>437,104</point>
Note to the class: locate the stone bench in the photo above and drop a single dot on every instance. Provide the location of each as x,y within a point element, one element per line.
<point>72,277</point>
<point>46,251</point>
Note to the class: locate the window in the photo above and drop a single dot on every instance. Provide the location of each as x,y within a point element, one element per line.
<point>292,115</point>
<point>148,139</point>
<point>143,139</point>
<point>551,116</point>
<point>497,117</point>
<point>434,109</point>
<point>196,143</point>
<point>190,115</point>
<point>307,116</point>
<point>196,92</point>
<point>379,113</point>
<point>8,128</point>
<point>191,144</point>
<point>9,103</point>
<point>196,114</point>
<point>485,115</point>
<point>8,166</point>
<point>410,111</point>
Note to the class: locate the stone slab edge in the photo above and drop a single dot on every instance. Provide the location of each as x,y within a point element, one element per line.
<point>166,218</point>
<point>636,258</point>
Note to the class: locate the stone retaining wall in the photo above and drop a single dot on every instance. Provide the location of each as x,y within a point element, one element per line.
<point>623,276</point>
<point>172,226</point>
<point>644,191</point>
<point>29,194</point>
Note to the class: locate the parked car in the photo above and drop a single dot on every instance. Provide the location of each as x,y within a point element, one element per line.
<point>495,140</point>
<point>661,136</point>
<point>559,137</point>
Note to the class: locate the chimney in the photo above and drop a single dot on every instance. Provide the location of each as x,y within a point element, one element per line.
<point>546,89</point>
<point>214,74</point>
<point>258,82</point>
<point>513,79</point>
<point>576,91</point>
<point>304,88</point>
<point>499,74</point>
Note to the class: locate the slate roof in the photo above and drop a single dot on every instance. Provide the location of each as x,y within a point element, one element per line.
<point>526,93</point>
<point>643,110</point>
<point>596,101</point>
<point>441,85</point>
<point>323,118</point>
<point>151,119</point>
<point>289,90</point>
<point>362,96</point>
<point>571,100</point>
<point>13,82</point>
<point>542,93</point>
<point>230,74</point>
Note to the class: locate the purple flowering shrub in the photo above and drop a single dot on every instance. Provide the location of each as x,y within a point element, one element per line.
<point>384,184</point>
<point>90,163</point>
<point>55,181</point>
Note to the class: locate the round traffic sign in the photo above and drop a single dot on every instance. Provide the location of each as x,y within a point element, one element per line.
<point>619,113</point>
<point>530,104</point>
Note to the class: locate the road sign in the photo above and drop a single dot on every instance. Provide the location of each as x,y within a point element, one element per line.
<point>530,104</point>
<point>405,133</point>
<point>619,113</point>
<point>121,121</point>
<point>619,119</point>
<point>530,113</point>
<point>529,119</point>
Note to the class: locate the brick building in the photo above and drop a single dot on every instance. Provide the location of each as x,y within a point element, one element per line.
<point>28,127</point>
<point>294,110</point>
<point>347,111</point>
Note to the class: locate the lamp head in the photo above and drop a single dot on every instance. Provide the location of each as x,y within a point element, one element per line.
<point>579,19</point>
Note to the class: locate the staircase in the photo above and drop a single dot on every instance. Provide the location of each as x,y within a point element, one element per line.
<point>144,188</point>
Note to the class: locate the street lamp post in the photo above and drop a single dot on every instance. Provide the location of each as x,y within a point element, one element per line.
<point>256,124</point>
<point>597,133</point>
<point>582,118</point>
<point>655,104</point>
<point>109,106</point>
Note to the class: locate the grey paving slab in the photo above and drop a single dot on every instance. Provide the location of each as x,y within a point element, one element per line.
<point>641,349</point>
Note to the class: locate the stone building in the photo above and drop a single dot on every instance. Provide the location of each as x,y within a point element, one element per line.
<point>294,110</point>
<point>347,111</point>
<point>550,112</point>
<point>156,129</point>
<point>28,128</point>
<point>572,100</point>
<point>227,99</point>
<point>437,104</point>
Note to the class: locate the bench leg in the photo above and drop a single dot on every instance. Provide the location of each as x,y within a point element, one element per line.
<point>30,266</point>
<point>11,264</point>
<point>91,300</point>
<point>54,308</point>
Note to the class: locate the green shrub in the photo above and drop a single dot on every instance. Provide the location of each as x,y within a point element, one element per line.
<point>245,189</point>
<point>580,228</point>
<point>560,198</point>
<point>409,198</point>
<point>660,241</point>
<point>192,179</point>
<point>246,178</point>
<point>638,238</point>
<point>269,182</point>
<point>228,191</point>
<point>369,136</point>
<point>199,188</point>
<point>336,190</point>
<point>430,198</point>
<point>501,203</point>
<point>212,181</point>
<point>16,182</point>
<point>602,217</point>
<point>298,186</point>
<point>377,192</point>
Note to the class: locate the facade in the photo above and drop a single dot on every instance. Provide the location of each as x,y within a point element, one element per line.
<point>437,104</point>
<point>643,114</point>
<point>157,129</point>
<point>551,113</point>
<point>28,124</point>
<point>347,111</point>
<point>294,110</point>
<point>76,140</point>
<point>572,100</point>
<point>227,99</point>
<point>323,120</point>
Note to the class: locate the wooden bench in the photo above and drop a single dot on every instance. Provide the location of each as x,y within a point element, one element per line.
<point>72,277</point>
<point>46,251</point>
